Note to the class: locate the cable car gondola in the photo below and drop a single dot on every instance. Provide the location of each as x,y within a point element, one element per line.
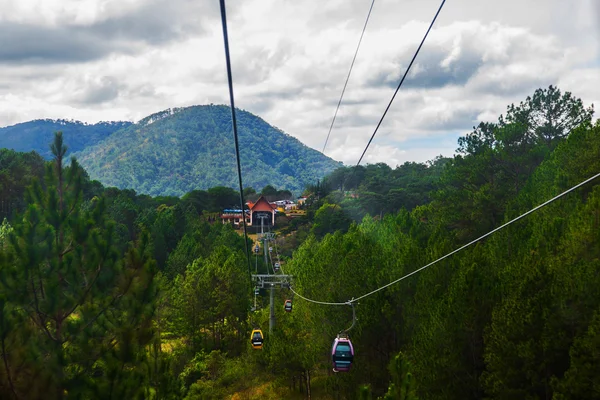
<point>257,339</point>
<point>257,249</point>
<point>287,306</point>
<point>270,249</point>
<point>257,291</point>
<point>276,267</point>
<point>342,353</point>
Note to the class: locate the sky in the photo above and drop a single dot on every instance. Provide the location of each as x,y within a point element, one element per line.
<point>102,60</point>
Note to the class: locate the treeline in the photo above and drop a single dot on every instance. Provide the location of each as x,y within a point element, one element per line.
<point>378,189</point>
<point>218,198</point>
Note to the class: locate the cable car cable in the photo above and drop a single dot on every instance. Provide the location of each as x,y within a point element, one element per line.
<point>353,171</point>
<point>401,81</point>
<point>270,259</point>
<point>235,133</point>
<point>277,254</point>
<point>281,266</point>
<point>452,252</point>
<point>271,264</point>
<point>256,264</point>
<point>348,77</point>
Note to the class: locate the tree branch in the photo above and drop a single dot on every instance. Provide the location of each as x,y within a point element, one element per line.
<point>67,250</point>
<point>87,290</point>
<point>41,321</point>
<point>8,374</point>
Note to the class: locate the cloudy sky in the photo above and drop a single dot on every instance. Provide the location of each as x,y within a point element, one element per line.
<point>94,60</point>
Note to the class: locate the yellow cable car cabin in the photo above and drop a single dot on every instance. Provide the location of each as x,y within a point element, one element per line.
<point>257,339</point>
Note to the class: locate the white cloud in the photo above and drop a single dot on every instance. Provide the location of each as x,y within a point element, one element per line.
<point>125,59</point>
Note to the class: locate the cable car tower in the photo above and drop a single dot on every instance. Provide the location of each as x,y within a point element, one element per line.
<point>272,281</point>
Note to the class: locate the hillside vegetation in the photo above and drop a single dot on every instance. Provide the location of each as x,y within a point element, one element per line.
<point>513,317</point>
<point>176,151</point>
<point>128,296</point>
<point>35,135</point>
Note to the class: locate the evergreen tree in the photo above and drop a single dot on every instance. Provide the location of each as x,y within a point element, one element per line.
<point>402,386</point>
<point>87,314</point>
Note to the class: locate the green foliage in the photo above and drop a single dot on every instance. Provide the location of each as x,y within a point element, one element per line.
<point>211,302</point>
<point>219,375</point>
<point>163,382</point>
<point>364,393</point>
<point>17,171</point>
<point>375,189</point>
<point>496,160</point>
<point>581,379</point>
<point>84,309</point>
<point>272,194</point>
<point>330,218</point>
<point>5,229</point>
<point>268,191</point>
<point>35,135</point>
<point>176,151</point>
<point>402,386</point>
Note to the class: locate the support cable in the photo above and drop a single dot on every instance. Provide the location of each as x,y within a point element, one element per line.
<point>348,77</point>
<point>235,134</point>
<point>281,266</point>
<point>272,263</point>
<point>256,264</point>
<point>452,252</point>
<point>401,81</point>
<point>277,257</point>
<point>353,171</point>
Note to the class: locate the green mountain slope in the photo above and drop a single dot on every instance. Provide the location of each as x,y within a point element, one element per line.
<point>178,150</point>
<point>38,134</point>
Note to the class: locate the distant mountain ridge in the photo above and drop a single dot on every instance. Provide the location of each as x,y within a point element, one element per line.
<point>178,150</point>
<point>38,134</point>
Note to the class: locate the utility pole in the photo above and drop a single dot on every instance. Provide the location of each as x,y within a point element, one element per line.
<point>278,281</point>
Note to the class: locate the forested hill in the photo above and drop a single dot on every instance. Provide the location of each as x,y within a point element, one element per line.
<point>179,150</point>
<point>37,134</point>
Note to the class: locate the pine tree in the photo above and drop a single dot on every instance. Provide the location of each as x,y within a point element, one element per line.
<point>402,386</point>
<point>88,313</point>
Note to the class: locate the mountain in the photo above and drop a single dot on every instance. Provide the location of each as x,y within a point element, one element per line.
<point>178,150</point>
<point>38,134</point>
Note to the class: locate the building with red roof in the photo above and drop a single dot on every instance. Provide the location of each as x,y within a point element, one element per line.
<point>262,210</point>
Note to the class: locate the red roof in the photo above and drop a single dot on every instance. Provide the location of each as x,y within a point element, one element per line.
<point>262,205</point>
